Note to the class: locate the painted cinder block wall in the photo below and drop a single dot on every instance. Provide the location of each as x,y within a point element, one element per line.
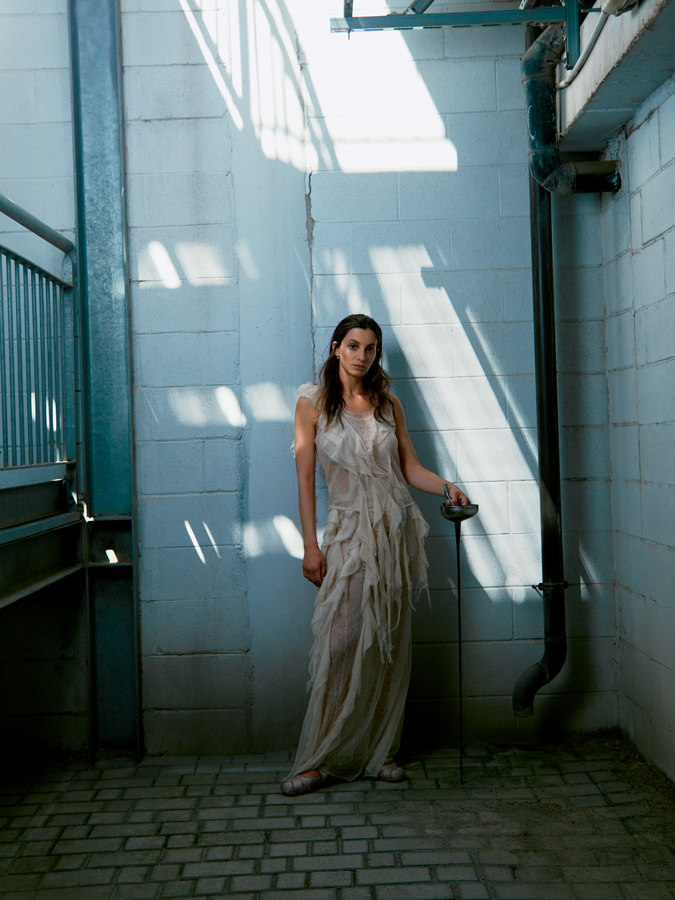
<point>279,178</point>
<point>639,236</point>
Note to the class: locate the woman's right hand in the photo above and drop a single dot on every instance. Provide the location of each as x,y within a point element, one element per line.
<point>314,566</point>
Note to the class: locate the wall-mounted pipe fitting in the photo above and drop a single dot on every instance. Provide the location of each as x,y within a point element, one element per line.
<point>538,68</point>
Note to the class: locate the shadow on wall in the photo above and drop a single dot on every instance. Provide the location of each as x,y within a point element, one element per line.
<point>220,559</point>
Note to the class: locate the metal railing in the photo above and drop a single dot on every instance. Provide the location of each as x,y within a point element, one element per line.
<point>36,339</point>
<point>37,355</point>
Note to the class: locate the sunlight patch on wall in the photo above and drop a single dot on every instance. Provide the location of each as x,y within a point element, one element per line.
<point>246,260</point>
<point>267,403</point>
<point>201,262</point>
<point>290,536</point>
<point>214,67</point>
<point>195,542</point>
<point>163,265</point>
<point>200,407</point>
<point>276,535</point>
<point>402,258</point>
<point>389,144</point>
<point>276,111</point>
<point>229,405</point>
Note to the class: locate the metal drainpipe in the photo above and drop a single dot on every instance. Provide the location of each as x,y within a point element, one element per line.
<point>546,377</point>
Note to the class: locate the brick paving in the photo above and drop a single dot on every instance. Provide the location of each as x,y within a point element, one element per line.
<point>581,822</point>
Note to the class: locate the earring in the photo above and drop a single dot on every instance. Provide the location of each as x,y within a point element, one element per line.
<point>336,356</point>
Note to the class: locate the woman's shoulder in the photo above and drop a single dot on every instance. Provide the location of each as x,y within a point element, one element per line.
<point>310,392</point>
<point>399,415</point>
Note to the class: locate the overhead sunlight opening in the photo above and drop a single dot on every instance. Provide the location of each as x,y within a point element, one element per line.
<point>321,126</point>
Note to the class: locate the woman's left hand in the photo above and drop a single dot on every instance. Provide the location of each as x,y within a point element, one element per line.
<point>457,497</point>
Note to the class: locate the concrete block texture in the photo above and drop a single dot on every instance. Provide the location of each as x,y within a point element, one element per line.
<point>654,332</point>
<point>580,347</point>
<point>620,338</point>
<point>194,626</point>
<point>464,194</point>
<point>657,211</point>
<point>195,681</point>
<point>648,275</point>
<point>179,573</point>
<point>46,148</point>
<point>38,41</point>
<point>245,254</point>
<point>585,452</point>
<point>192,199</point>
<point>622,387</point>
<point>160,309</point>
<point>195,731</point>
<point>667,131</point>
<point>176,360</point>
<point>656,400</point>
<point>343,197</point>
<point>579,293</point>
<point>18,104</point>
<point>658,513</point>
<point>187,92</point>
<point>618,284</point>
<point>645,569</point>
<point>508,239</point>
<point>182,467</point>
<point>188,146</point>
<point>170,256</point>
<point>643,153</point>
<point>656,459</point>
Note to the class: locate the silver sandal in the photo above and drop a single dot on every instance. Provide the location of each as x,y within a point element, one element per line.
<point>392,773</point>
<point>303,784</point>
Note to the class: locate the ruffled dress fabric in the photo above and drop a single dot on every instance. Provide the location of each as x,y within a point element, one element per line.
<point>376,566</point>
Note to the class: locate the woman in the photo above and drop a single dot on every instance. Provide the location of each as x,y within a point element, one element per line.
<point>371,565</point>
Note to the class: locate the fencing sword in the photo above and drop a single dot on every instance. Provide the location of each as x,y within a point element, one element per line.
<point>458,514</point>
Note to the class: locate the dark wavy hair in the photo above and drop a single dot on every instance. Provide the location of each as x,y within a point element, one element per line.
<point>375,381</point>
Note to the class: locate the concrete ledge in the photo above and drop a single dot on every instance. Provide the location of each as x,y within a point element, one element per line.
<point>632,58</point>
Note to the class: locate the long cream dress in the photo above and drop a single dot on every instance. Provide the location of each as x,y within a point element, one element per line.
<point>376,565</point>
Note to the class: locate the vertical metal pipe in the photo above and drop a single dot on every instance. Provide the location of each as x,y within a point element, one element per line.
<point>458,531</point>
<point>546,377</point>
<point>4,372</point>
<point>18,271</point>
<point>42,392</point>
<point>27,358</point>
<point>36,368</point>
<point>10,359</point>
<point>50,368</point>
<point>572,33</point>
<point>70,400</point>
<point>62,377</point>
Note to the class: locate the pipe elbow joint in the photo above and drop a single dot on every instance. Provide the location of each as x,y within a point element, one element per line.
<point>538,68</point>
<point>526,687</point>
<point>538,675</point>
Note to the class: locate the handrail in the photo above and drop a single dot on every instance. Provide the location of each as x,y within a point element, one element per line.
<point>17,257</point>
<point>37,226</point>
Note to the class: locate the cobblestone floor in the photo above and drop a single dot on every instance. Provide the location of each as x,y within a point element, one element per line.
<point>588,821</point>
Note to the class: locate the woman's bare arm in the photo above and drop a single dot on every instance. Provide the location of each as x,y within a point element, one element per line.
<point>314,562</point>
<point>413,472</point>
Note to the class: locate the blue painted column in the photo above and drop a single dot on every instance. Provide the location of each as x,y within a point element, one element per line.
<point>98,124</point>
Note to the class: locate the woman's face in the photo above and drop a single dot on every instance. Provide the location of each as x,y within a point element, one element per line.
<point>357,352</point>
